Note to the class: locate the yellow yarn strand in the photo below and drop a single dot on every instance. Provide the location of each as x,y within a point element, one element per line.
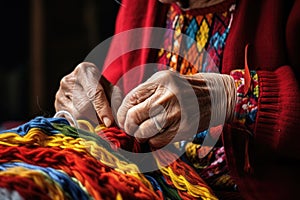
<point>119,196</point>
<point>191,153</point>
<point>36,137</point>
<point>52,189</point>
<point>88,126</point>
<point>182,184</point>
<point>225,181</point>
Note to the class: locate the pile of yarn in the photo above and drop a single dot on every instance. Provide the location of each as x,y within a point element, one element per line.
<point>46,158</point>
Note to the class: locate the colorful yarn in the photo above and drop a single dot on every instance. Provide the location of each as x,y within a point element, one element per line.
<point>173,182</point>
<point>8,194</point>
<point>36,137</point>
<point>27,188</point>
<point>169,191</point>
<point>116,137</point>
<point>86,125</point>
<point>72,189</point>
<point>157,188</point>
<point>108,138</point>
<point>100,180</point>
<point>199,137</point>
<point>120,139</point>
<point>47,185</point>
<point>191,154</point>
<point>89,136</point>
<point>212,168</point>
<point>39,122</point>
<point>85,164</point>
<point>183,177</point>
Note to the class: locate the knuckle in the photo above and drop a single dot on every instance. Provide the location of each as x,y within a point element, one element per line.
<point>121,113</point>
<point>67,80</point>
<point>95,92</point>
<point>84,66</point>
<point>93,69</point>
<point>90,93</point>
<point>63,81</point>
<point>130,121</point>
<point>131,114</point>
<point>133,98</point>
<point>99,91</point>
<point>57,95</point>
<point>145,132</point>
<point>166,73</point>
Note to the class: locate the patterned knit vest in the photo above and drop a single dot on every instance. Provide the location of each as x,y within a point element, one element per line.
<point>199,36</point>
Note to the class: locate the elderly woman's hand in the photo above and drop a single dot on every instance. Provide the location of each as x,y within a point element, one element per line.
<point>172,107</point>
<point>82,94</point>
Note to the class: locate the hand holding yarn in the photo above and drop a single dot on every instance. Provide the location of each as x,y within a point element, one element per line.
<point>82,94</point>
<point>172,107</point>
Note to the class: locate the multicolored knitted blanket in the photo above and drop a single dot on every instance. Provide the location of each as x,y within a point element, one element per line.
<point>46,158</point>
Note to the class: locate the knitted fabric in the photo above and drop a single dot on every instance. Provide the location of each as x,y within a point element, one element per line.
<point>271,28</point>
<point>246,104</point>
<point>203,45</point>
<point>46,158</point>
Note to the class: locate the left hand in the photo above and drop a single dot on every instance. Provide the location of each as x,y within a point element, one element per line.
<point>166,104</point>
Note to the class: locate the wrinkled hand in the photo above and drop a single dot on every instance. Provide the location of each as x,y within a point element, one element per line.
<point>82,94</point>
<point>172,107</point>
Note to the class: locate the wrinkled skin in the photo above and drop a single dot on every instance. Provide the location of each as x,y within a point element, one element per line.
<point>82,94</point>
<point>154,110</point>
<point>167,107</point>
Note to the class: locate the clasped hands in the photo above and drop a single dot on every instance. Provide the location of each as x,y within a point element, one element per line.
<point>167,107</point>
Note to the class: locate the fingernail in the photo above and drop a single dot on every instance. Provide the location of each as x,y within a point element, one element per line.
<point>106,121</point>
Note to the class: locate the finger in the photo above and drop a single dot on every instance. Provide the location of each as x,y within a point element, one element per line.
<point>116,100</point>
<point>62,103</point>
<point>135,97</point>
<point>151,127</point>
<point>95,92</point>
<point>66,86</point>
<point>162,139</point>
<point>102,106</point>
<point>170,135</point>
<point>79,107</point>
<point>141,112</point>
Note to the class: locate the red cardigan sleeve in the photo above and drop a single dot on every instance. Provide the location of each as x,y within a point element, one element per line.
<point>278,113</point>
<point>272,34</point>
<point>265,163</point>
<point>133,14</point>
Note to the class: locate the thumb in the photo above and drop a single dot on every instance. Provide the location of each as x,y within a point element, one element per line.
<point>116,101</point>
<point>88,77</point>
<point>101,106</point>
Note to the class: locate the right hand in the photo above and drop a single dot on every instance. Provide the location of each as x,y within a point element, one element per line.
<point>81,94</point>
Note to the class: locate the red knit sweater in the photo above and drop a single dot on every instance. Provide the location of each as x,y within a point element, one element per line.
<point>266,164</point>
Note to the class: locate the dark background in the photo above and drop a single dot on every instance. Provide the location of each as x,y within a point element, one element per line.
<point>41,41</point>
